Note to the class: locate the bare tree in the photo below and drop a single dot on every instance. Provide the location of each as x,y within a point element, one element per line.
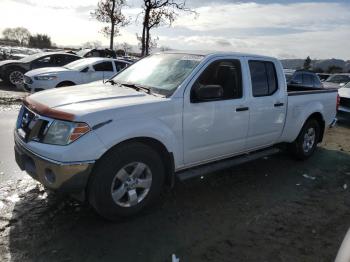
<point>157,13</point>
<point>152,43</point>
<point>110,11</point>
<point>126,47</point>
<point>19,34</point>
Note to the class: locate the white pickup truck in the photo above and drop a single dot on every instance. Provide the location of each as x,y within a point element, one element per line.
<point>170,115</point>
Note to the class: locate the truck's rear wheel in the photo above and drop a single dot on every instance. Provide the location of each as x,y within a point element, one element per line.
<point>126,180</point>
<point>305,144</point>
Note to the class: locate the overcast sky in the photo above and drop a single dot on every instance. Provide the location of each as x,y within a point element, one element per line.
<point>285,28</point>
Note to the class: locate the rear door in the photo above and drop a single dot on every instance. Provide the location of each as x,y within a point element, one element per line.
<point>215,128</point>
<point>103,71</point>
<point>267,105</point>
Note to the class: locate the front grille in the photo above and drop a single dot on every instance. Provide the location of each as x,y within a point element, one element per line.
<point>344,101</point>
<point>28,80</point>
<point>31,126</point>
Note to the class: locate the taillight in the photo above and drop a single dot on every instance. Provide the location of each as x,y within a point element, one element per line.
<point>338,101</point>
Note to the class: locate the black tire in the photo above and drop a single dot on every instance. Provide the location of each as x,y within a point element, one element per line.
<point>298,149</point>
<point>66,83</point>
<point>104,173</point>
<point>8,73</point>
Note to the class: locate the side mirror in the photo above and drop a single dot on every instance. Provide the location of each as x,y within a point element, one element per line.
<point>209,92</point>
<point>342,84</point>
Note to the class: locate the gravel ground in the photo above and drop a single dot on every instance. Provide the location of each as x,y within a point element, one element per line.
<point>273,209</point>
<point>10,97</point>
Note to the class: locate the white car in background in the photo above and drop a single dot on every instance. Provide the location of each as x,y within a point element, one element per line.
<point>78,72</point>
<point>337,80</point>
<point>344,95</point>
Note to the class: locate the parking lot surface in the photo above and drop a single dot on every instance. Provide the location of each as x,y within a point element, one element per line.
<point>273,209</point>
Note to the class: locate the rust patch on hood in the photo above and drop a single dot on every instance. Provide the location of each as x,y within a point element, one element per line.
<point>47,111</point>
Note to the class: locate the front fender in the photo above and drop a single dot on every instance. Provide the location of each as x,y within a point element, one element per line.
<point>169,136</point>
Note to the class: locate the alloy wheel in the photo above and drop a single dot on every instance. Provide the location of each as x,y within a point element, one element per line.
<point>131,184</point>
<point>16,77</point>
<point>309,139</point>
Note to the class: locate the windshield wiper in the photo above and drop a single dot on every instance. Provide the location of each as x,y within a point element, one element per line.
<point>111,81</point>
<point>138,87</point>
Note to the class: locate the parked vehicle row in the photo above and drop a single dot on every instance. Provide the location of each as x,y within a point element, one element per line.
<point>78,72</point>
<point>12,71</point>
<point>118,143</point>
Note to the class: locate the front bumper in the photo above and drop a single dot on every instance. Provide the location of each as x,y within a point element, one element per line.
<point>63,177</point>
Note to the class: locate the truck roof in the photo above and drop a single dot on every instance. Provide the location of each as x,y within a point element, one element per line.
<point>214,53</point>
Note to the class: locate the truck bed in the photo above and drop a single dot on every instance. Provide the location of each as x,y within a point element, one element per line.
<point>296,91</point>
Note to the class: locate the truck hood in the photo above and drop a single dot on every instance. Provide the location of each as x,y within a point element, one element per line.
<point>47,70</point>
<point>7,62</point>
<point>344,92</point>
<point>91,98</point>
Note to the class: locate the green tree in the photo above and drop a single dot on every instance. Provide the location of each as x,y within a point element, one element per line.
<point>307,63</point>
<point>334,69</point>
<point>40,41</point>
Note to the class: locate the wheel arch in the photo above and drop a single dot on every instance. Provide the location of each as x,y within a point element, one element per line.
<point>166,156</point>
<point>319,118</point>
<point>71,83</point>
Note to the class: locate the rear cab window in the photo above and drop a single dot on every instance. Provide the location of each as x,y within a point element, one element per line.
<point>263,78</point>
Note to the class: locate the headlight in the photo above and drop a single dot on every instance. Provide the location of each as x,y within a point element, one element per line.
<point>45,77</point>
<point>64,133</point>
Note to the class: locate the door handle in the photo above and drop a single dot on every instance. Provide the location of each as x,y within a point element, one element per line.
<point>278,104</point>
<point>240,109</point>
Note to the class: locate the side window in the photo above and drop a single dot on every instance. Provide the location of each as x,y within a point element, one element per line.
<point>119,65</point>
<point>298,79</point>
<point>70,58</point>
<point>104,66</point>
<point>86,69</point>
<point>225,73</point>
<point>263,77</point>
<point>308,80</point>
<point>43,61</point>
<point>317,81</point>
<point>59,60</point>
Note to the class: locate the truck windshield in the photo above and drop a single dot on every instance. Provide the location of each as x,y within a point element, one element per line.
<point>161,73</point>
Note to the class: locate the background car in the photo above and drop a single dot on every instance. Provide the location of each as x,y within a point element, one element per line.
<point>97,52</point>
<point>288,74</point>
<point>344,94</point>
<point>12,71</point>
<point>337,80</point>
<point>323,76</point>
<point>78,72</point>
<point>304,79</point>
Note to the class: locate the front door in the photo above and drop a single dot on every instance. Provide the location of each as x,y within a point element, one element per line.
<point>215,128</point>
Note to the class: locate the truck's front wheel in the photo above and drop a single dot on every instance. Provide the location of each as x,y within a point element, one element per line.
<point>126,180</point>
<point>305,145</point>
